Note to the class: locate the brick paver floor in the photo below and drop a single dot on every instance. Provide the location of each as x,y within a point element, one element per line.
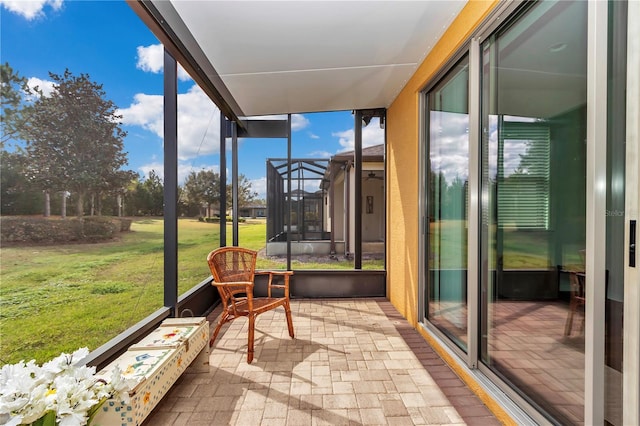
<point>353,361</point>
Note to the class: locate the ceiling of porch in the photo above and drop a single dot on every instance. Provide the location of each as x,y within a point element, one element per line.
<point>276,57</point>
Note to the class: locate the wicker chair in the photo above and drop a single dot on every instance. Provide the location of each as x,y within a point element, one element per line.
<point>233,270</point>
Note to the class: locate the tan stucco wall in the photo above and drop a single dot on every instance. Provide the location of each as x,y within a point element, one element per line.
<point>403,237</point>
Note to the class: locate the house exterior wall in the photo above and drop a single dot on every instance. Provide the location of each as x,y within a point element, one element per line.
<point>403,162</point>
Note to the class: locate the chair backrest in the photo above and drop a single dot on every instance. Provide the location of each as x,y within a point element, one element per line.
<point>232,264</point>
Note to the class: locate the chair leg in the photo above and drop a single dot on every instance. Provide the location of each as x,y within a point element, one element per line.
<point>252,323</point>
<point>287,310</point>
<point>223,319</point>
<point>569,324</point>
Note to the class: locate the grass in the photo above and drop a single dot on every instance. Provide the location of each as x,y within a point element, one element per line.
<point>59,298</point>
<point>521,249</point>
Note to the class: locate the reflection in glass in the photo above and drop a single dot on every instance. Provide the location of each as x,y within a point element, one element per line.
<point>448,174</point>
<point>533,177</point>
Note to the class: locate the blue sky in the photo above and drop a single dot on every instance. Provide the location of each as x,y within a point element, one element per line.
<point>108,41</point>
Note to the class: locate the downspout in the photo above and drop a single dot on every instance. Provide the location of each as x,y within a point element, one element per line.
<point>223,180</point>
<point>357,196</point>
<point>332,229</point>
<point>289,201</point>
<point>235,208</point>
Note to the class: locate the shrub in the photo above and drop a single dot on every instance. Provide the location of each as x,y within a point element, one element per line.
<point>26,229</point>
<point>125,224</point>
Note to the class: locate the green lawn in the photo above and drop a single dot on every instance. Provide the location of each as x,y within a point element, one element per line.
<point>62,297</point>
<point>59,298</point>
<point>521,249</point>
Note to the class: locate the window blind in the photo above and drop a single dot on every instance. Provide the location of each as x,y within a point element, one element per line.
<point>524,178</point>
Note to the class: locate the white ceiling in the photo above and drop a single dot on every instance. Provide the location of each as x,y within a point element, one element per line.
<point>279,57</point>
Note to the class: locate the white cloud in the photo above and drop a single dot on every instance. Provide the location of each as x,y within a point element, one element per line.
<point>185,168</point>
<point>371,135</point>
<point>30,9</point>
<point>320,154</point>
<point>45,86</point>
<point>146,112</point>
<point>198,124</point>
<point>260,186</point>
<point>313,135</point>
<point>151,59</point>
<point>158,168</point>
<point>299,122</point>
<point>198,121</point>
<point>450,144</point>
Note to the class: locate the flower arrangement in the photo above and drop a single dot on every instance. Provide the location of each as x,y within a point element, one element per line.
<point>56,393</point>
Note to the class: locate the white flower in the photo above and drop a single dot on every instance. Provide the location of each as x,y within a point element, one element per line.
<point>64,361</point>
<point>60,387</point>
<point>21,388</point>
<point>7,420</point>
<point>119,385</point>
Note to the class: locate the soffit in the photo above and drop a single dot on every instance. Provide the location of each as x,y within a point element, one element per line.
<point>277,57</point>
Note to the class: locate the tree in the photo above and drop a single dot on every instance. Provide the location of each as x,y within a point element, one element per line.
<point>12,88</point>
<point>203,188</point>
<point>245,194</point>
<point>153,190</point>
<point>74,139</point>
<point>114,186</point>
<point>17,197</point>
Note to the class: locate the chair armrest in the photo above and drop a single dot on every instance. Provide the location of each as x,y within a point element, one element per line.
<point>273,272</point>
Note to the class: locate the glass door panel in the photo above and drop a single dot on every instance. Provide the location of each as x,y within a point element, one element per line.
<point>447,201</point>
<point>533,207</point>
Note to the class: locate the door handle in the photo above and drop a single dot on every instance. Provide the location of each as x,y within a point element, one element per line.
<point>632,243</point>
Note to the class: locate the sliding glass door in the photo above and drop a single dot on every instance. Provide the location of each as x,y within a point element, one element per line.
<point>531,208</point>
<point>533,180</point>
